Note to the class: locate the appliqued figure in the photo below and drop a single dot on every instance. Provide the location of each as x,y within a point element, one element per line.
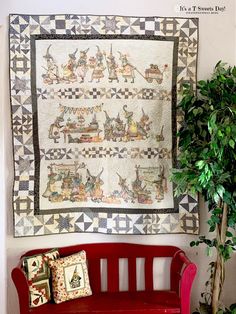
<point>75,280</point>
<point>52,191</point>
<point>108,127</point>
<point>127,69</point>
<point>112,67</point>
<point>119,129</point>
<point>137,130</point>
<point>140,191</point>
<point>82,66</point>
<point>132,130</point>
<point>52,72</point>
<point>125,192</point>
<point>66,187</point>
<point>161,184</point>
<point>54,130</point>
<point>69,68</point>
<point>99,68</point>
<point>144,125</point>
<point>93,186</point>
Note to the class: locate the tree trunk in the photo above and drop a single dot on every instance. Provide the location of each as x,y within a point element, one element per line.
<point>219,273</point>
<point>217,284</point>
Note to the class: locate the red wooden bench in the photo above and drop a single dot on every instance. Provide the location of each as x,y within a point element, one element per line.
<point>175,300</point>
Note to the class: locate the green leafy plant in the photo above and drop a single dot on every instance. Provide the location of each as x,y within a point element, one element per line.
<point>207,164</point>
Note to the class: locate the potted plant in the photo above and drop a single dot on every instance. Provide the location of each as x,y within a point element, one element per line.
<point>207,165</point>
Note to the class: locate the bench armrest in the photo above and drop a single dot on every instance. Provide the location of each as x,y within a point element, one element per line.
<point>22,288</point>
<point>183,272</point>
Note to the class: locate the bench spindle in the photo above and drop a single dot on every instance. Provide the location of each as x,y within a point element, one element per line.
<point>148,269</point>
<point>132,274</point>
<point>113,274</point>
<point>95,274</point>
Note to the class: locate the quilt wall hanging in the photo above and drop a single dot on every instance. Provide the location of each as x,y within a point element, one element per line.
<point>94,119</point>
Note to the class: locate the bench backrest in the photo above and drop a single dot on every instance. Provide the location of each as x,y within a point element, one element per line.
<point>112,252</point>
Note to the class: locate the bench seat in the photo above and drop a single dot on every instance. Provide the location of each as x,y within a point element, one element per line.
<point>117,302</point>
